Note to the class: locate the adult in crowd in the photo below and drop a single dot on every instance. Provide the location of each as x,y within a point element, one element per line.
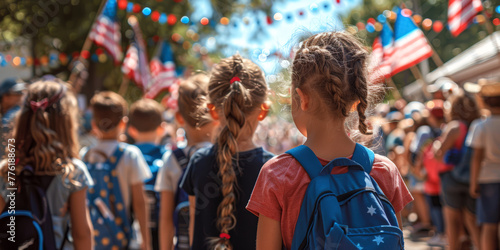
<point>11,95</point>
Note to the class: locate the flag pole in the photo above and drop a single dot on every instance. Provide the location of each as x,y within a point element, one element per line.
<point>86,47</point>
<point>395,90</point>
<point>123,85</point>
<point>418,75</point>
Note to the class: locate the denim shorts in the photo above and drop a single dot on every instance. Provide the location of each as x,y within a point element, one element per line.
<point>456,194</point>
<point>488,203</point>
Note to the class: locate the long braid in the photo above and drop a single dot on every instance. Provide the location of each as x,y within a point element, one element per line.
<point>236,100</point>
<point>333,64</point>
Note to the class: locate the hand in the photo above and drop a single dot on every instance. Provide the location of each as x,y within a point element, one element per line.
<point>474,190</point>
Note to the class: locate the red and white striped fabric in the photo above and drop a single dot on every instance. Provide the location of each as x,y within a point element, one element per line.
<point>106,31</point>
<point>163,77</point>
<point>131,63</point>
<point>410,44</point>
<point>461,13</point>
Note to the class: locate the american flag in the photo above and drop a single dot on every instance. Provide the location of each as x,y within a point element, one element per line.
<point>410,44</point>
<point>106,31</point>
<point>135,66</point>
<point>381,56</point>
<point>162,70</point>
<point>461,13</point>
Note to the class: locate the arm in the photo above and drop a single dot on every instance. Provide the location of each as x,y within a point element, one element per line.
<point>400,220</point>
<point>2,202</point>
<point>476,161</point>
<point>82,230</point>
<point>141,212</point>
<point>167,229</point>
<point>192,213</point>
<point>268,233</point>
<point>449,137</point>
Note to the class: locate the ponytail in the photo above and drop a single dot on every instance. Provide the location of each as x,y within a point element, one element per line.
<point>237,87</point>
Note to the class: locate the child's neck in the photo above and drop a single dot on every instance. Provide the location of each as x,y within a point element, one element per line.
<point>328,139</point>
<point>146,137</point>
<point>199,135</point>
<point>112,134</point>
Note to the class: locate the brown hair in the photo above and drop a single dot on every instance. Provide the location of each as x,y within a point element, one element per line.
<point>192,95</point>
<point>333,65</point>
<point>464,108</point>
<point>235,100</point>
<point>46,137</point>
<point>146,115</point>
<point>108,109</point>
<point>491,101</point>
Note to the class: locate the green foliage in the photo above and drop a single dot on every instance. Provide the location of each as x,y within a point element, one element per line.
<point>63,25</point>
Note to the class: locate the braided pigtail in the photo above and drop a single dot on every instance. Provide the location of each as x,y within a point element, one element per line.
<point>236,89</point>
<point>333,65</point>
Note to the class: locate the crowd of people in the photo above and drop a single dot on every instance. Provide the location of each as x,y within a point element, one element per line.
<point>213,173</point>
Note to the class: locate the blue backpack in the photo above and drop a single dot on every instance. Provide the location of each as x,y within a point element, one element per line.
<point>112,228</point>
<point>181,213</point>
<point>153,155</point>
<point>344,211</point>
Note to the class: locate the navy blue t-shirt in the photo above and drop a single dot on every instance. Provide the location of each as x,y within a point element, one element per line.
<point>202,181</point>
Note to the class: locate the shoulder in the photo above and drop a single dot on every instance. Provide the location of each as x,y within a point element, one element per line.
<point>280,165</point>
<point>383,166</point>
<point>131,150</point>
<point>204,153</point>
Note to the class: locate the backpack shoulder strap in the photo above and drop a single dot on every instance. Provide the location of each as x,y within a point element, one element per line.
<point>306,157</point>
<point>364,156</point>
<point>181,157</point>
<point>115,157</point>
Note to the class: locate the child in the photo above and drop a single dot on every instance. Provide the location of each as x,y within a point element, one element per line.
<point>109,111</point>
<point>45,138</point>
<point>199,128</point>
<point>485,172</point>
<point>219,179</point>
<point>329,81</point>
<point>146,128</point>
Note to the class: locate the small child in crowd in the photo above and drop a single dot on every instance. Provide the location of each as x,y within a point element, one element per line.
<point>147,128</point>
<point>485,172</point>
<point>174,209</point>
<point>220,179</point>
<point>328,82</point>
<point>109,120</point>
<point>45,138</point>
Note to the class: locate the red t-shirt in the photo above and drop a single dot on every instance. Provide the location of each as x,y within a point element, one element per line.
<point>282,184</point>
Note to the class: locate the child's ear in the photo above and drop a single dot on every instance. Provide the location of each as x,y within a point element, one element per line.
<point>132,132</point>
<point>354,106</point>
<point>179,119</point>
<point>160,131</point>
<point>95,129</point>
<point>123,123</point>
<point>264,110</point>
<point>304,99</point>
<point>213,112</point>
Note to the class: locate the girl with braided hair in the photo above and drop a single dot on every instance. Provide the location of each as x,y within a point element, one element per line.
<point>329,86</point>
<point>45,139</point>
<point>220,179</point>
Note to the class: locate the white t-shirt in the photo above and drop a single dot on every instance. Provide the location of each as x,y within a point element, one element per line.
<point>131,168</point>
<point>487,137</point>
<point>170,174</point>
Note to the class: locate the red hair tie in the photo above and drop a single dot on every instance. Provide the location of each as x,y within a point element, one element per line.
<point>235,79</point>
<point>43,104</point>
<point>225,235</point>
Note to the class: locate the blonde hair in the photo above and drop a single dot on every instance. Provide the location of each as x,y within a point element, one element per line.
<point>236,99</point>
<point>333,64</point>
<point>46,138</point>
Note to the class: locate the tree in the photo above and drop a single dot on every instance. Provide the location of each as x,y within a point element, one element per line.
<point>62,25</point>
